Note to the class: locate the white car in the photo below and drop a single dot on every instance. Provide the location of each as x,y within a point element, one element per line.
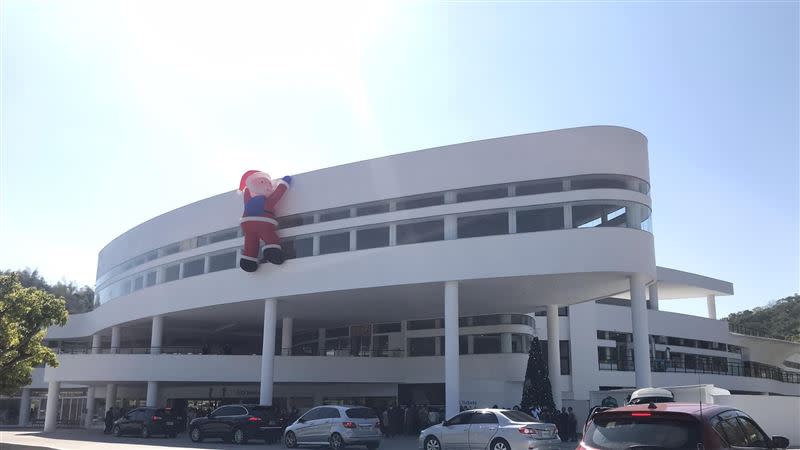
<point>335,427</point>
<point>490,429</point>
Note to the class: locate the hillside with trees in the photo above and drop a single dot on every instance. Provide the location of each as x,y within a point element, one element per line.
<point>779,319</point>
<point>78,299</point>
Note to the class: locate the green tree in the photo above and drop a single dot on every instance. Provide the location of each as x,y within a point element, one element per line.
<point>25,314</point>
<point>779,319</point>
<point>79,300</point>
<point>536,390</point>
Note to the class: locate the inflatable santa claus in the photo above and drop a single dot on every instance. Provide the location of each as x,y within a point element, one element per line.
<point>259,222</point>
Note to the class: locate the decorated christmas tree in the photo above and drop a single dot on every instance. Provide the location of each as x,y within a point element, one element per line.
<point>536,391</point>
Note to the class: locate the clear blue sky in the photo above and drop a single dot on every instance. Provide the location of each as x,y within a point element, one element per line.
<point>114,112</point>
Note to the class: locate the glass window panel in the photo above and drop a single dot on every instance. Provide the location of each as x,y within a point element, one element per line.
<point>493,319</point>
<point>372,238</point>
<point>587,216</point>
<point>463,345</point>
<point>150,280</point>
<point>223,235</point>
<point>424,324</point>
<point>337,332</point>
<point>125,287</point>
<point>222,261</point>
<point>377,208</point>
<point>337,214</point>
<point>423,346</point>
<point>387,327</point>
<point>202,240</point>
<point>539,187</point>
<point>482,194</point>
<point>411,233</point>
<point>298,247</point>
<point>420,202</point>
<point>540,219</point>
<point>296,220</point>
<point>483,225</point>
<point>138,282</point>
<point>151,255</point>
<point>194,267</point>
<point>486,343</point>
<point>170,249</point>
<point>599,182</point>
<point>334,243</point>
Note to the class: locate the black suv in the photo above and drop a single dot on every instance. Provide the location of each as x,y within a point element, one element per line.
<point>237,423</point>
<point>146,422</point>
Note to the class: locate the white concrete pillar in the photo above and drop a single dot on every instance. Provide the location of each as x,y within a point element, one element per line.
<point>653,291</point>
<point>115,339</point>
<point>505,343</point>
<point>554,353</point>
<point>567,216</point>
<point>450,228</point>
<point>156,335</point>
<point>90,395</point>
<point>287,328</point>
<point>711,302</point>
<point>51,413</point>
<point>95,344</point>
<point>641,331</point>
<point>437,346</point>
<point>268,351</point>
<point>25,407</point>
<point>452,377</point>
<point>321,342</point>
<point>471,344</point>
<point>152,393</point>
<point>111,396</point>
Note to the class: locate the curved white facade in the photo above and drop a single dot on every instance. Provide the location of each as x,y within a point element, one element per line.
<point>510,225</point>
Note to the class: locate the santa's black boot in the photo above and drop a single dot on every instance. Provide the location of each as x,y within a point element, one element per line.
<point>274,255</point>
<point>248,265</point>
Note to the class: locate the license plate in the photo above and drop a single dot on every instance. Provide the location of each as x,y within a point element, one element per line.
<point>170,423</point>
<point>365,427</point>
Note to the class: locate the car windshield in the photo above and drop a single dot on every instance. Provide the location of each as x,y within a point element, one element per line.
<point>517,416</point>
<point>631,432</point>
<point>361,413</point>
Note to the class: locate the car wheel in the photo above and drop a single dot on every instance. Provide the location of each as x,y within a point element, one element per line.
<point>431,443</point>
<point>239,437</point>
<point>290,440</point>
<point>196,435</point>
<point>500,444</point>
<point>117,431</point>
<point>145,432</point>
<point>336,441</point>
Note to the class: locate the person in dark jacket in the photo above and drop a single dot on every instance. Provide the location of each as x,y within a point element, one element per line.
<point>109,421</point>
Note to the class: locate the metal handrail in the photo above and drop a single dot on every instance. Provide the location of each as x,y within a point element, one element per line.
<point>750,369</point>
<point>753,332</point>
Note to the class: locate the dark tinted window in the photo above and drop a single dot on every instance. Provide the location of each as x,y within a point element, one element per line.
<point>484,418</point>
<point>295,221</point>
<point>314,414</point>
<point>539,187</point>
<point>587,216</point>
<point>482,194</point>
<point>614,432</point>
<point>329,413</point>
<point>755,437</point>
<point>224,411</point>
<point>361,413</point>
<point>337,332</point>
<point>170,249</point>
<point>334,243</point>
<point>730,431</point>
<point>422,346</point>
<point>151,279</point>
<point>223,235</point>
<point>193,268</point>
<point>387,327</point>
<point>420,202</point>
<point>372,238</point>
<point>334,215</point>
<point>540,220</point>
<point>372,209</point>
<point>598,183</point>
<point>483,225</point>
<point>298,248</point>
<point>411,233</point>
<point>424,324</point>
<point>222,261</point>
<point>461,419</point>
<point>517,416</point>
<point>171,273</point>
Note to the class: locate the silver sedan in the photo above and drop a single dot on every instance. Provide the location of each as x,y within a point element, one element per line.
<point>492,429</point>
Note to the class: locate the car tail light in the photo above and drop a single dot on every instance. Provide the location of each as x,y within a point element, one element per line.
<point>155,418</point>
<point>526,430</point>
<point>254,419</point>
<point>349,424</point>
<point>641,414</point>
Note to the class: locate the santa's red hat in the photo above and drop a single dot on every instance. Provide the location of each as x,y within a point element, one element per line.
<point>247,175</point>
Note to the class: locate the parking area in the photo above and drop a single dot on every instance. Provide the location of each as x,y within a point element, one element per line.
<point>79,439</point>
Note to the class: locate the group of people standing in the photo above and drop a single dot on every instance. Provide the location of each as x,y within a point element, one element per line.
<point>565,420</point>
<point>397,420</point>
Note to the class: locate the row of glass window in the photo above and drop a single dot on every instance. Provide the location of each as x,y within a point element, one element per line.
<point>420,201</point>
<point>526,220</point>
<point>625,338</point>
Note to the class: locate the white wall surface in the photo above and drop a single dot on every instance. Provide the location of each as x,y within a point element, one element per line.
<point>776,415</point>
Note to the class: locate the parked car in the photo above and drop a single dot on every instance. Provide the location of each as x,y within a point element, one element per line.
<point>493,429</point>
<point>146,422</point>
<point>676,425</point>
<point>237,423</point>
<point>335,426</point>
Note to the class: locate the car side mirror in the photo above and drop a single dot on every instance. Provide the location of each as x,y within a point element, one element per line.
<point>446,423</point>
<point>301,420</point>
<point>779,442</point>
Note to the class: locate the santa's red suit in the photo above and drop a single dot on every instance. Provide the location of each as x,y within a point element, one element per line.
<point>259,223</point>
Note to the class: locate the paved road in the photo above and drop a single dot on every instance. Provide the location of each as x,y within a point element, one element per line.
<point>78,439</point>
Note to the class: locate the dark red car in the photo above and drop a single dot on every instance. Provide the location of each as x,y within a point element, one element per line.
<point>675,426</point>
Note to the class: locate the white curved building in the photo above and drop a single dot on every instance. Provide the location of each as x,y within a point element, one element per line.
<point>415,278</point>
